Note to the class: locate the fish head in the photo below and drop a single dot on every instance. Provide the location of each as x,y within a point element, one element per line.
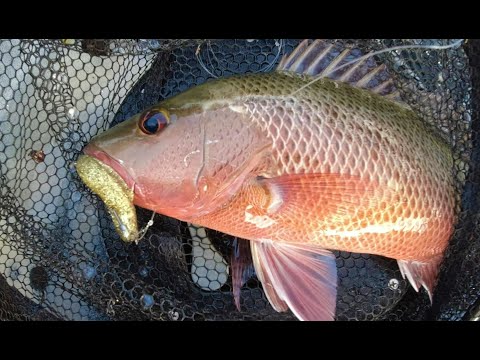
<point>185,156</point>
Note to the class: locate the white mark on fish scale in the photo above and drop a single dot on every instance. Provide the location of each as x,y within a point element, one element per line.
<point>418,225</point>
<point>205,187</point>
<point>259,221</point>
<point>207,105</point>
<point>392,184</point>
<point>238,109</point>
<point>209,142</point>
<point>188,155</point>
<point>276,200</point>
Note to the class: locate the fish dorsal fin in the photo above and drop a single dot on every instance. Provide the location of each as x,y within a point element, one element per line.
<point>324,59</point>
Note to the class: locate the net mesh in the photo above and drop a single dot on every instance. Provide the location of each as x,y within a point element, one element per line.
<point>60,257</point>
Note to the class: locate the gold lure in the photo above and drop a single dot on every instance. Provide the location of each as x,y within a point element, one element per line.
<point>113,191</point>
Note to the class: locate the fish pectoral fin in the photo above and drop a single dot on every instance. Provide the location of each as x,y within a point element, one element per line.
<point>327,193</point>
<point>297,276</point>
<point>422,273</point>
<point>241,267</point>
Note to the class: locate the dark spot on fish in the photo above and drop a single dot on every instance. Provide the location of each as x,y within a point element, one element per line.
<point>297,158</point>
<point>349,138</point>
<point>396,175</point>
<point>307,161</point>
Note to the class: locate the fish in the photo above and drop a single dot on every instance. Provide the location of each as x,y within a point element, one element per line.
<point>318,155</point>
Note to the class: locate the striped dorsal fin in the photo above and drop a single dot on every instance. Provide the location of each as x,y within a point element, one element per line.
<point>324,59</point>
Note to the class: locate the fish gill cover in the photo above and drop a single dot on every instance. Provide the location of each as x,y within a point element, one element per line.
<point>60,257</point>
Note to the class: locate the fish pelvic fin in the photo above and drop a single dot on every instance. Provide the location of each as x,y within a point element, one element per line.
<point>241,265</point>
<point>422,273</point>
<point>297,276</point>
<point>325,59</point>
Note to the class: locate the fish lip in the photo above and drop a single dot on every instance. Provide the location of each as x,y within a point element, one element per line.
<point>101,155</point>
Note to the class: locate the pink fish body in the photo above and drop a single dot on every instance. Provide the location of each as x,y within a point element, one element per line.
<point>332,166</point>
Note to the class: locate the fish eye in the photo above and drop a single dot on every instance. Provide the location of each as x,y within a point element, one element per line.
<point>153,121</point>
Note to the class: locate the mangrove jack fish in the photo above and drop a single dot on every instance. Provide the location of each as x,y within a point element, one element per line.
<point>297,167</point>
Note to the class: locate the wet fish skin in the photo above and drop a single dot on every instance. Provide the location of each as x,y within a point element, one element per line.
<point>331,128</point>
<point>329,167</point>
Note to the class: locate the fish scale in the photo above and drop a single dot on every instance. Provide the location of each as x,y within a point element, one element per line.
<point>382,122</point>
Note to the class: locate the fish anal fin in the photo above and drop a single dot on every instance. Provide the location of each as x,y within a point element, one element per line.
<point>422,273</point>
<point>297,276</point>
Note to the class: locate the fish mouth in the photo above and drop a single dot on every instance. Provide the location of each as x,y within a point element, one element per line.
<point>96,152</point>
